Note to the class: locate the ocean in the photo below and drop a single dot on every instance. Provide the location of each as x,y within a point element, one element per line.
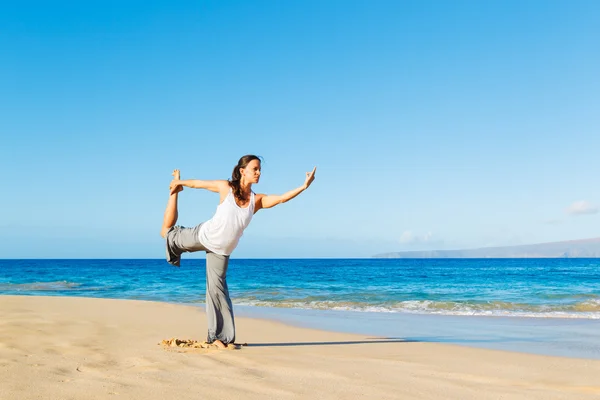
<point>545,306</point>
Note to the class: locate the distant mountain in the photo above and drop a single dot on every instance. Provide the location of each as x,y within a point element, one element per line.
<point>588,248</point>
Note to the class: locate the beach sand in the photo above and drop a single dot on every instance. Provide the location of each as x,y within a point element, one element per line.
<point>79,348</point>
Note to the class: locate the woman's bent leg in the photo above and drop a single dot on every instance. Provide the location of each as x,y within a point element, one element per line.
<point>171,213</point>
<point>182,240</point>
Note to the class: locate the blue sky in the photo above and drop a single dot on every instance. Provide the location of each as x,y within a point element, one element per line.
<point>433,124</point>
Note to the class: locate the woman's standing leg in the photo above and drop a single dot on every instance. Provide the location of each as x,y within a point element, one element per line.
<point>171,214</point>
<point>219,310</point>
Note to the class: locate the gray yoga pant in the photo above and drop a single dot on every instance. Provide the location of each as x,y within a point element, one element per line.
<point>219,310</point>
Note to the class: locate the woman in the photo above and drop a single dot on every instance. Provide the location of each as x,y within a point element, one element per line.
<point>219,236</point>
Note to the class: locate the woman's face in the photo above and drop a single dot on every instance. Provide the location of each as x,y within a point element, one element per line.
<point>251,173</point>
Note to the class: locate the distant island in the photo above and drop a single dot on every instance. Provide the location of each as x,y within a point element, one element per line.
<point>587,248</point>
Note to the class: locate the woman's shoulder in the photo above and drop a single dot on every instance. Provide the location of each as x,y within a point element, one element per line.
<point>224,191</point>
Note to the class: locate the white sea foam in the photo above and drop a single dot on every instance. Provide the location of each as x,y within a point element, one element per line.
<point>585,310</point>
<point>39,286</point>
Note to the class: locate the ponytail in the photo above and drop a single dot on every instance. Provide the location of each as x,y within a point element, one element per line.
<point>236,177</point>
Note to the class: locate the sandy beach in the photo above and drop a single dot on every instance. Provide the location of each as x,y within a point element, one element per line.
<point>81,348</point>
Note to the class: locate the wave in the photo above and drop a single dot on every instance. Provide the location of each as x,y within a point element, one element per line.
<point>589,309</point>
<point>40,286</point>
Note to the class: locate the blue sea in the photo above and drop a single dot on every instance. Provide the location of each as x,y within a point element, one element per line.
<point>544,306</point>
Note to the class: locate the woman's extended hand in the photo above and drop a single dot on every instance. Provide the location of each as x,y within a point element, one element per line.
<point>175,186</point>
<point>310,177</point>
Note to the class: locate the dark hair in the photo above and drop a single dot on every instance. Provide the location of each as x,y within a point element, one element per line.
<point>234,182</point>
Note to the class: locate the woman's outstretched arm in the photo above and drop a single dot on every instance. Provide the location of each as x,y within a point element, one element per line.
<point>217,186</point>
<point>271,200</point>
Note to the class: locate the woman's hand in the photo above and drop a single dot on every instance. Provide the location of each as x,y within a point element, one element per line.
<point>175,186</point>
<point>310,177</point>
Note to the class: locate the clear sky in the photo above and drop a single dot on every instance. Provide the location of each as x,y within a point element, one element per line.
<point>433,124</point>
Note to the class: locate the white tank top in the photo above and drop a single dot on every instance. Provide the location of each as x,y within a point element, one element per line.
<point>222,232</point>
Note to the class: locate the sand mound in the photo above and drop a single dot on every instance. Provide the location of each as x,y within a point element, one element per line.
<point>194,344</point>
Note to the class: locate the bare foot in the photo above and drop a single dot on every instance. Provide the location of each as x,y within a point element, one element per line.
<point>176,176</point>
<point>219,344</point>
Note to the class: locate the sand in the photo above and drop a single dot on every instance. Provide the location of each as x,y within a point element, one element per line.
<point>79,348</point>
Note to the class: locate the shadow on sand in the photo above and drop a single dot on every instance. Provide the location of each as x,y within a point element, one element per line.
<point>369,341</point>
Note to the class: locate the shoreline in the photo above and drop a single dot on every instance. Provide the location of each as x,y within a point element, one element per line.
<point>75,347</point>
<point>561,337</point>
